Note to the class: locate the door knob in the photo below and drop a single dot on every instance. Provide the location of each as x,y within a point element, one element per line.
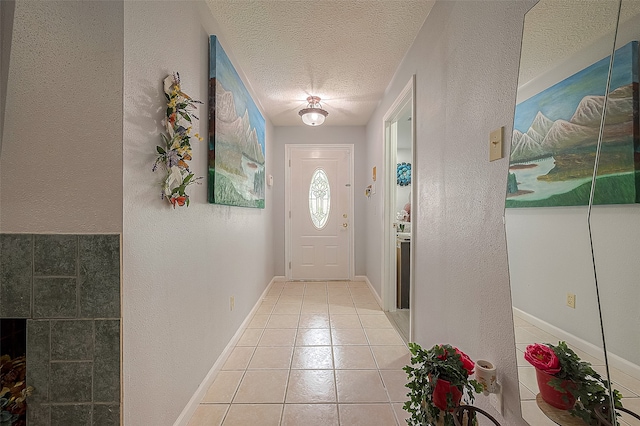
<point>345,225</point>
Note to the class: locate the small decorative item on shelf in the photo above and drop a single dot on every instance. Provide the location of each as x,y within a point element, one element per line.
<point>568,383</point>
<point>175,151</point>
<point>404,174</point>
<point>438,380</point>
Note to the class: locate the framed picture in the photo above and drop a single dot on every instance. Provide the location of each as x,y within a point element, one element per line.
<point>236,137</point>
<point>556,133</point>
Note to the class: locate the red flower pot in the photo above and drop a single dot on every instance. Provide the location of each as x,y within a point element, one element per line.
<point>442,389</point>
<point>553,397</point>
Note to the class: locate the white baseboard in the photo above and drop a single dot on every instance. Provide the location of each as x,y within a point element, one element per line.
<point>615,361</point>
<point>192,405</point>
<point>373,290</point>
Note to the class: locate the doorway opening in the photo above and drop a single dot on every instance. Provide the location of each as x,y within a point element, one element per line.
<point>399,219</point>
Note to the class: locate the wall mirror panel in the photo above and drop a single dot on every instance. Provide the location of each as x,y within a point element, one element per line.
<point>615,228</point>
<point>564,75</point>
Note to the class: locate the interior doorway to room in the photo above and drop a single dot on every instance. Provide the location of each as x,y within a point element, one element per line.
<point>318,212</point>
<point>399,222</point>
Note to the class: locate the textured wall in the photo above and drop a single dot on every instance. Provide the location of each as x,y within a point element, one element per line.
<point>62,146</point>
<point>181,266</point>
<point>6,32</point>
<point>320,135</point>
<point>465,60</point>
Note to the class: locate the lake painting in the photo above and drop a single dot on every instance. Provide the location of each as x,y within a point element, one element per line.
<point>236,137</point>
<point>556,133</point>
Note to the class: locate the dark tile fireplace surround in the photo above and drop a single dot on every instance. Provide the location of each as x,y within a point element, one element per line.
<point>67,287</point>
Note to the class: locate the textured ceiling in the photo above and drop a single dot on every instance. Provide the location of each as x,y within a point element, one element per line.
<point>343,51</point>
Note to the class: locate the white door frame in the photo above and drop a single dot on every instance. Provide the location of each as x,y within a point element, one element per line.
<point>388,290</point>
<point>287,202</point>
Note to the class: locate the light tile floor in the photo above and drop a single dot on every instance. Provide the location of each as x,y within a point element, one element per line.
<point>315,353</point>
<point>526,334</point>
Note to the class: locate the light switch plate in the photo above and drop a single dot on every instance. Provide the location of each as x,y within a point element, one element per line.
<point>495,144</point>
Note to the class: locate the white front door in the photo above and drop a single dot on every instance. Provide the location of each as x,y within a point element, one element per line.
<point>320,210</point>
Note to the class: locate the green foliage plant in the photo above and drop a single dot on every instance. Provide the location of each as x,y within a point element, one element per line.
<point>591,389</point>
<point>427,366</point>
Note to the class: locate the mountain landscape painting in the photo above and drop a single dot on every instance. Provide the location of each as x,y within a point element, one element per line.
<point>556,133</point>
<point>236,137</point>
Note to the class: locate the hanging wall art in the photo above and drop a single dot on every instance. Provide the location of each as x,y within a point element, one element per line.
<point>556,132</point>
<point>404,174</point>
<point>175,151</point>
<point>236,137</point>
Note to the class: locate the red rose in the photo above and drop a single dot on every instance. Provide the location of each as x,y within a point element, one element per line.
<point>466,361</point>
<point>543,358</point>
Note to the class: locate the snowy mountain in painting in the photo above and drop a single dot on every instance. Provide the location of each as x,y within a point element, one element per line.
<point>233,131</point>
<point>546,137</point>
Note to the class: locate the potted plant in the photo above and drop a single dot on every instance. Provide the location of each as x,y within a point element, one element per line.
<point>568,383</point>
<point>438,379</point>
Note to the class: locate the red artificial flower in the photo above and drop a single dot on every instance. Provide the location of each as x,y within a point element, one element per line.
<point>543,358</point>
<point>466,361</point>
<point>179,200</point>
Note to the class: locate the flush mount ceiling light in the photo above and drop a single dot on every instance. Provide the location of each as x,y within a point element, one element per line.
<point>313,114</point>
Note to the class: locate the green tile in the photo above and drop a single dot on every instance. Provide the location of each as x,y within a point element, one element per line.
<point>38,414</point>
<point>55,255</point>
<point>106,372</point>
<point>71,415</point>
<point>99,262</point>
<point>38,356</point>
<point>72,340</point>
<point>106,415</point>
<point>16,269</point>
<point>54,297</point>
<point>71,381</point>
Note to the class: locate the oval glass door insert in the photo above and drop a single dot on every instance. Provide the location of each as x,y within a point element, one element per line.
<point>319,199</point>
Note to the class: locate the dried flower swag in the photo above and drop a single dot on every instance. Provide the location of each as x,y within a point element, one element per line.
<point>173,156</point>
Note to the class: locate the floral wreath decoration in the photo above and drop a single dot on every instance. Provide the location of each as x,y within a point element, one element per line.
<point>176,149</point>
<point>404,174</point>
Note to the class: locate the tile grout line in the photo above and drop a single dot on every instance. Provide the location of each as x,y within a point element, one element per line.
<point>77,276</point>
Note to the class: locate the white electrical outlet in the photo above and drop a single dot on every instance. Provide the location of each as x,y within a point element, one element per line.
<point>496,399</point>
<point>571,300</point>
<point>232,303</point>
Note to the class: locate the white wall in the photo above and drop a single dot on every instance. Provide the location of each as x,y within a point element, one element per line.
<point>181,266</point>
<point>616,236</point>
<point>465,60</point>
<point>550,256</point>
<point>320,135</point>
<point>61,165</point>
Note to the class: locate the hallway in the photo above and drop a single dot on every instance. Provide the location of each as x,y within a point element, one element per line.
<point>314,353</point>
